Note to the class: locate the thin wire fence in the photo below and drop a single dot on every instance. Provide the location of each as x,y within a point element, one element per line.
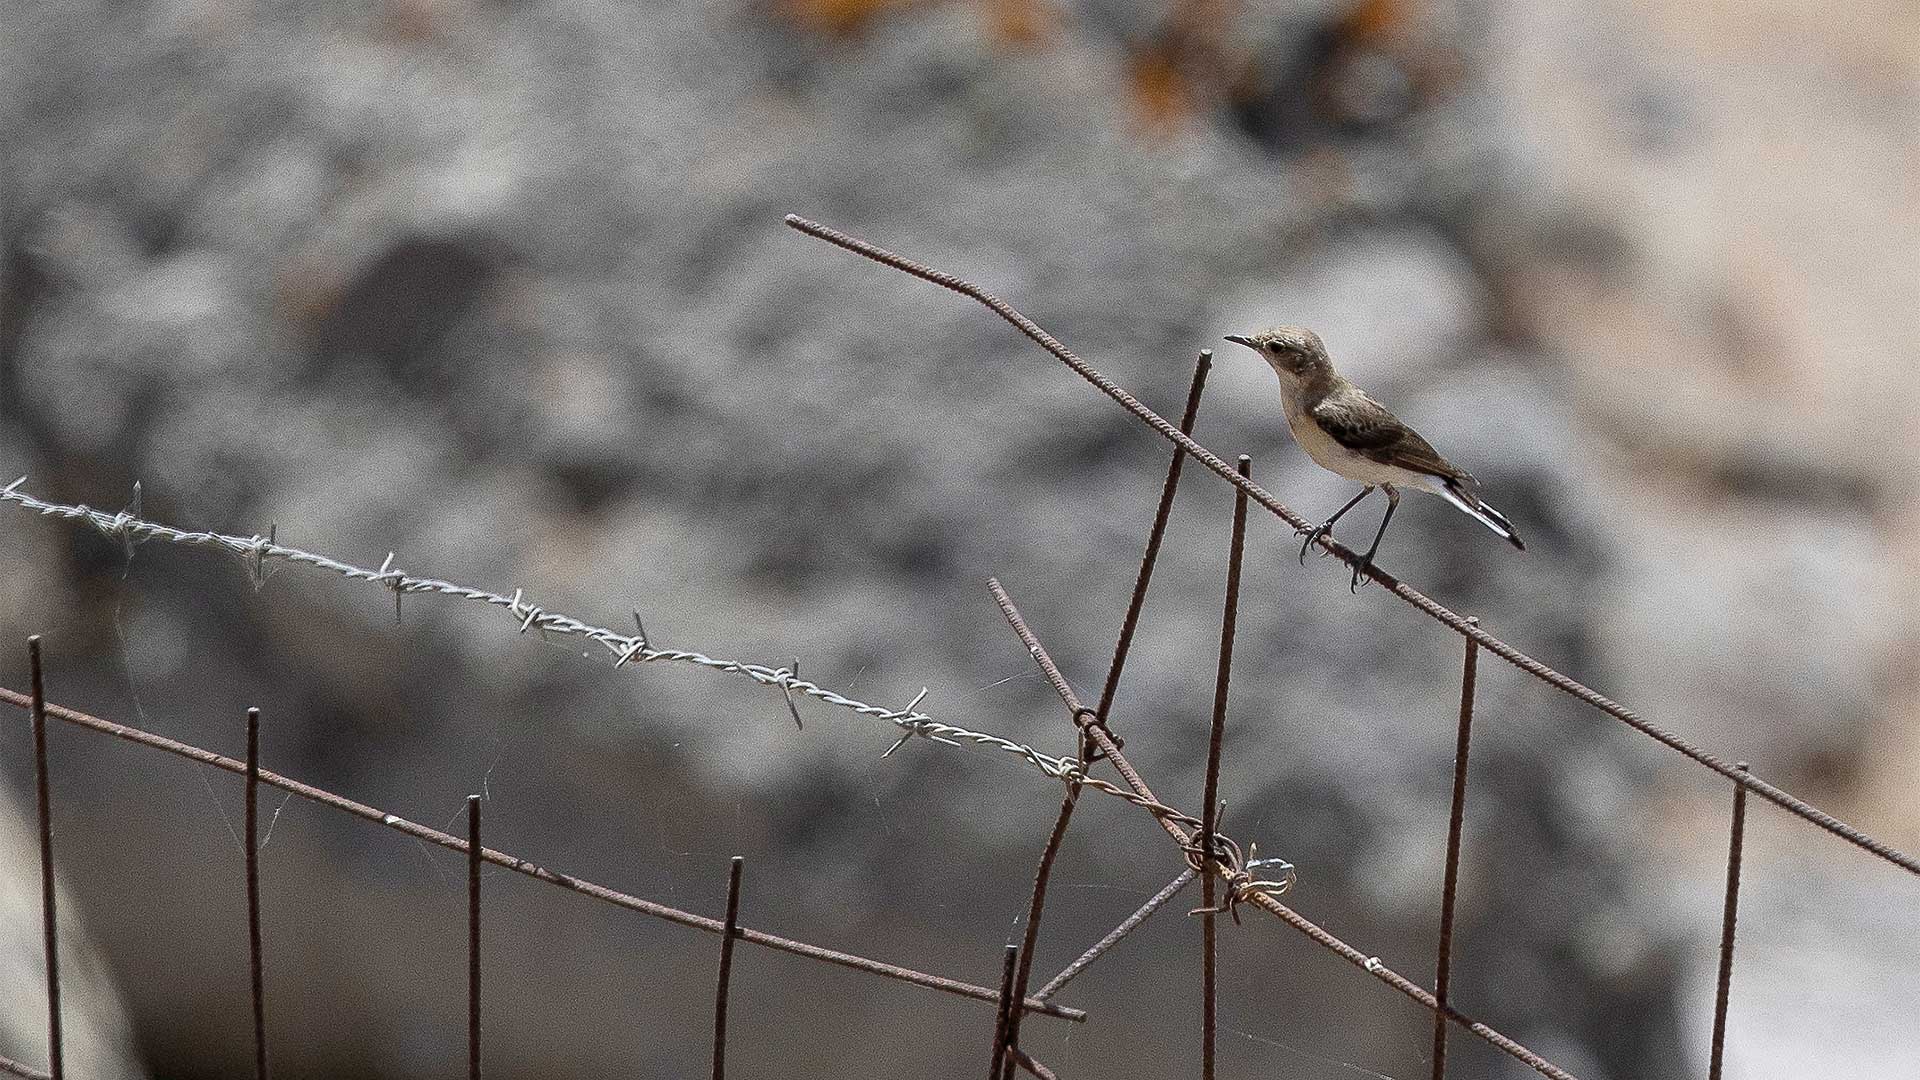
<point>1208,852</point>
<point>130,530</point>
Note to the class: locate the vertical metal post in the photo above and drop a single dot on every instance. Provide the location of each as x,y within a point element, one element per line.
<point>55,1057</point>
<point>1006,1011</point>
<point>728,935</point>
<point>1728,918</point>
<point>473,937</point>
<point>1154,537</point>
<point>1444,963</point>
<point>255,964</point>
<point>1210,809</point>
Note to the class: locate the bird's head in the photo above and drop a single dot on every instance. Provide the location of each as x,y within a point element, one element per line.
<point>1293,352</point>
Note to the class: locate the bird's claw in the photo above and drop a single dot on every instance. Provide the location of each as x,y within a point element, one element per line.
<point>1314,534</point>
<point>1359,575</point>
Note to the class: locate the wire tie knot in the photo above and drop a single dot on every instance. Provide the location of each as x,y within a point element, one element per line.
<point>1242,884</point>
<point>257,555</point>
<point>121,527</point>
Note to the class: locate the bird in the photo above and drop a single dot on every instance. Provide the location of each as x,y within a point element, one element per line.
<point>1348,433</point>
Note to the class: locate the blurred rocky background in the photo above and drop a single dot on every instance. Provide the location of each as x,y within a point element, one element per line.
<point>502,288</point>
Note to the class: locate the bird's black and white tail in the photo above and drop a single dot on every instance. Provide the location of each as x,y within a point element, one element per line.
<point>1462,495</point>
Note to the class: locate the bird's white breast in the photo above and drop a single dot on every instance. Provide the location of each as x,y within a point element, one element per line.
<point>1327,453</point>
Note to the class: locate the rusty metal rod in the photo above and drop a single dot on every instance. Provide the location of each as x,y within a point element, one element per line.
<point>1035,906</point>
<point>256,974</point>
<point>1002,1022</point>
<point>1724,991</point>
<point>1027,1062</point>
<point>1155,536</point>
<point>533,870</point>
<point>474,848</point>
<point>729,932</point>
<point>1259,897</point>
<point>1456,819</point>
<point>49,915</point>
<point>1127,926</point>
<point>1210,804</point>
<point>1072,701</point>
<point>1431,607</point>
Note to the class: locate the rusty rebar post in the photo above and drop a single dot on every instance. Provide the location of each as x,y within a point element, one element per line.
<point>1162,512</point>
<point>255,964</point>
<point>1456,819</point>
<point>1035,906</point>
<point>1002,1020</point>
<point>1210,808</point>
<point>1127,926</point>
<point>728,935</point>
<point>1724,991</point>
<point>49,915</point>
<point>473,937</point>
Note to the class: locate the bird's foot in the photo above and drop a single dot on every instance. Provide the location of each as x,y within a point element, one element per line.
<point>1314,534</point>
<point>1360,574</point>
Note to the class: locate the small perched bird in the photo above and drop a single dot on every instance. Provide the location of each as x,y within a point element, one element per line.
<point>1346,432</point>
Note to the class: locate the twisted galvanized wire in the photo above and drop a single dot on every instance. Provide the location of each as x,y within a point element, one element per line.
<point>128,529</point>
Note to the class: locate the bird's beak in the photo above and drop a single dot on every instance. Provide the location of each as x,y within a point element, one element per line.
<point>1238,340</point>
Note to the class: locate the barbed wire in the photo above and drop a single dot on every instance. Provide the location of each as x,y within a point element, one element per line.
<point>128,529</point>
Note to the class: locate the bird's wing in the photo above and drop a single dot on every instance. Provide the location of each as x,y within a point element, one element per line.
<point>1365,427</point>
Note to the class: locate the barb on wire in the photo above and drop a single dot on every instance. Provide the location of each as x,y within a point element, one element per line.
<point>624,648</point>
<point>393,579</point>
<point>787,676</point>
<point>523,866</point>
<point>1432,608</point>
<point>257,570</point>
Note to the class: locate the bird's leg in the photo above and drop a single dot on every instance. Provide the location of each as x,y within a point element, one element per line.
<point>1366,561</point>
<point>1326,526</point>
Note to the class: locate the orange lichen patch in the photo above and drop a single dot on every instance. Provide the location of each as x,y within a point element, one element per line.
<point>1376,22</point>
<point>839,17</point>
<point>1160,92</point>
<point>1021,22</point>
